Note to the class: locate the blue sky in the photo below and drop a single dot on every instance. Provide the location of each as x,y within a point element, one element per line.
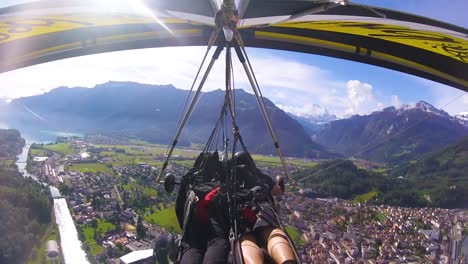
<point>341,86</point>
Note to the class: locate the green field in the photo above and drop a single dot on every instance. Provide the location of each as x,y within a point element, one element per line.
<point>37,152</point>
<point>295,235</point>
<point>380,217</point>
<point>185,163</point>
<point>121,159</point>
<point>365,197</point>
<point>89,240</point>
<point>61,148</point>
<point>149,149</point>
<point>104,227</point>
<point>90,167</point>
<point>133,186</point>
<point>165,218</point>
<point>147,153</point>
<point>275,161</point>
<point>380,170</point>
<point>7,163</point>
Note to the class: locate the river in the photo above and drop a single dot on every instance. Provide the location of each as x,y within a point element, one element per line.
<point>21,163</point>
<point>71,245</point>
<point>465,247</point>
<point>69,242</point>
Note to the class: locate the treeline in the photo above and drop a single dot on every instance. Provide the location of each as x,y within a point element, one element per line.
<point>342,179</point>
<point>25,212</point>
<point>440,179</point>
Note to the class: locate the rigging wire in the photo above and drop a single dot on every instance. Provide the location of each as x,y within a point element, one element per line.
<point>190,109</point>
<point>187,99</point>
<point>218,133</point>
<point>253,74</point>
<point>241,53</point>
<point>189,95</point>
<point>211,42</point>
<point>382,141</point>
<point>233,87</point>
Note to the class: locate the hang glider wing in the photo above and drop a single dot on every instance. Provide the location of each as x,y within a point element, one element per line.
<point>55,29</point>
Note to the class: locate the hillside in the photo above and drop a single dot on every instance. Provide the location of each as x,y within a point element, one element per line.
<point>24,208</point>
<point>435,128</point>
<point>344,180</point>
<point>150,112</point>
<point>439,180</point>
<point>441,175</point>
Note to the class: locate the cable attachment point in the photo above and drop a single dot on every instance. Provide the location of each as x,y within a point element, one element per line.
<point>228,33</point>
<point>236,131</point>
<point>227,18</point>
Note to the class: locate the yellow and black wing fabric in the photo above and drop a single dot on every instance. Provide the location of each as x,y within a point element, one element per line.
<point>50,30</point>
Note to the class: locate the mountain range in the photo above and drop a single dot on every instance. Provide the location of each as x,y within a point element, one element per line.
<point>393,134</point>
<point>150,112</point>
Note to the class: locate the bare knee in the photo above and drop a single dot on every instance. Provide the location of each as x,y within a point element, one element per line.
<point>251,253</point>
<point>278,246</point>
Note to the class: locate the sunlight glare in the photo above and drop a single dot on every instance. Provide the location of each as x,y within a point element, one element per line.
<point>139,7</point>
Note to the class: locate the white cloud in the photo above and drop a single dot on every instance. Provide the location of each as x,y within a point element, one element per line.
<point>293,84</point>
<point>156,66</point>
<point>465,99</point>
<point>282,79</point>
<point>344,99</point>
<point>360,97</point>
<point>395,101</point>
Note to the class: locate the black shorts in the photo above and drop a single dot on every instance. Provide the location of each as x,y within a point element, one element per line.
<point>266,218</point>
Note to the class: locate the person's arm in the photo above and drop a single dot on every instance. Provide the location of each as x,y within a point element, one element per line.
<point>276,190</point>
<point>266,179</point>
<point>182,196</point>
<point>180,204</point>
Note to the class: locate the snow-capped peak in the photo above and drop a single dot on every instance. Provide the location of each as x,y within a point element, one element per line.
<point>313,113</point>
<point>462,118</point>
<point>6,99</point>
<point>424,106</point>
<point>462,115</point>
<point>427,107</point>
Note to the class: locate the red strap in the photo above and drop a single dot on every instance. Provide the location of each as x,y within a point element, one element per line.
<point>248,214</point>
<point>202,212</point>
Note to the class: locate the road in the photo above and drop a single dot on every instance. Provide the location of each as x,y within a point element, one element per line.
<point>118,196</point>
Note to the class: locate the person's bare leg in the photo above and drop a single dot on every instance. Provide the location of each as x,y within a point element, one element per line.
<point>251,253</point>
<point>278,245</point>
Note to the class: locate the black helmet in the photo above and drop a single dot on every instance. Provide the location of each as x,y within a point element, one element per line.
<point>208,165</point>
<point>244,158</point>
<point>204,158</point>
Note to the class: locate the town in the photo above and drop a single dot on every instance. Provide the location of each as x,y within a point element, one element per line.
<point>124,216</point>
<point>340,231</point>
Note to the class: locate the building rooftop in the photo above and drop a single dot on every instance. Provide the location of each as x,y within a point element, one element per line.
<point>40,159</point>
<point>136,256</point>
